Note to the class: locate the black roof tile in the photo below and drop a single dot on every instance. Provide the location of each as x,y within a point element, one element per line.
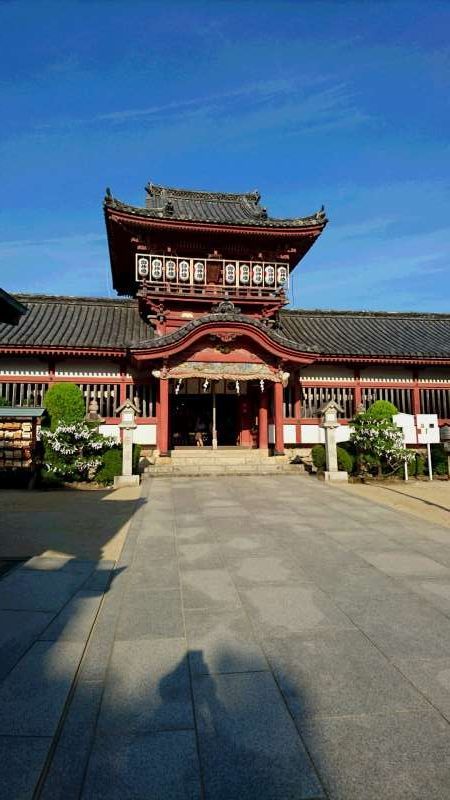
<point>224,208</point>
<point>111,324</point>
<point>76,322</point>
<point>370,333</point>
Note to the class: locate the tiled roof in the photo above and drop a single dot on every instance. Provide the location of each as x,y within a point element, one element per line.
<point>223,208</point>
<point>76,322</point>
<point>370,333</point>
<point>104,324</point>
<point>10,308</point>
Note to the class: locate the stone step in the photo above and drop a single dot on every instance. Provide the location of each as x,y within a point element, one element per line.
<point>161,469</point>
<point>203,452</point>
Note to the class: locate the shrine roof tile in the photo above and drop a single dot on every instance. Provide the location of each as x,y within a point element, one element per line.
<point>114,324</point>
<point>75,322</point>
<point>371,333</point>
<point>223,208</point>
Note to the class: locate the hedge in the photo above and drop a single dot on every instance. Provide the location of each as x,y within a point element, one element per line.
<point>344,458</point>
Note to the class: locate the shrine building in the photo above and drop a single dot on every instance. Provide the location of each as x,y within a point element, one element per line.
<point>200,337</point>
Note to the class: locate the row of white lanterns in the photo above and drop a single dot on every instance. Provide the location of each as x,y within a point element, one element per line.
<point>257,274</point>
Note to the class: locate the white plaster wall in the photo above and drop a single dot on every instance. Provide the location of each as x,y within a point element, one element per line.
<point>386,374</point>
<point>144,434</point>
<point>314,434</point>
<point>110,430</point>
<point>23,366</point>
<point>271,434</point>
<point>81,367</point>
<point>326,372</point>
<point>289,432</point>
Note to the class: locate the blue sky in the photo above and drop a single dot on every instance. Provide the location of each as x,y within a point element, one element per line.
<point>342,103</point>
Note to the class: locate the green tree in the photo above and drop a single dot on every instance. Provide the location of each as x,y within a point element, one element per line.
<point>382,409</point>
<point>64,403</point>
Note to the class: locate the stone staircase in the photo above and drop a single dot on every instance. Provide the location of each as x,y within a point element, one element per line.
<point>190,461</point>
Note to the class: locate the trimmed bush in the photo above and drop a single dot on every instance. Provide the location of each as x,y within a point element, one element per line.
<point>439,459</point>
<point>112,464</point>
<point>382,409</point>
<point>318,457</point>
<point>421,464</point>
<point>64,403</point>
<point>344,458</point>
<point>4,403</point>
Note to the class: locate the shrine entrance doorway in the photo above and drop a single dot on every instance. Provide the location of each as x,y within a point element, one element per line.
<point>228,421</point>
<point>216,414</point>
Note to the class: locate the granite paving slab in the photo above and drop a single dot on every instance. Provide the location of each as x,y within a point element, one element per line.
<point>150,614</point>
<point>283,610</point>
<point>204,555</point>
<point>147,688</point>
<point>159,766</point>
<point>32,696</point>
<point>67,768</point>
<point>208,588</point>
<point>249,747</point>
<point>222,641</point>
<point>75,621</point>
<point>266,569</point>
<point>403,626</point>
<point>22,759</point>
<point>403,563</point>
<point>18,631</point>
<point>372,756</point>
<point>38,590</point>
<point>337,672</point>
<point>431,676</point>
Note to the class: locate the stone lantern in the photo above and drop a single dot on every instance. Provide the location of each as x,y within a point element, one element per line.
<point>329,413</point>
<point>128,411</point>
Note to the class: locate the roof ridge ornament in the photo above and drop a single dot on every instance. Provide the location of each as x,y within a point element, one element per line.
<point>225,307</point>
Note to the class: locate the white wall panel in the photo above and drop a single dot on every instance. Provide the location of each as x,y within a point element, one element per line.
<point>144,434</point>
<point>289,434</point>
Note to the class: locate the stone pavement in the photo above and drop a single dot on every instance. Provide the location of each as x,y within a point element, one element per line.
<point>268,637</point>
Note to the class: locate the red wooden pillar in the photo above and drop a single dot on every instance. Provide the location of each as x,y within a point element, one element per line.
<point>163,417</point>
<point>263,420</point>
<point>245,436</point>
<point>357,391</point>
<point>297,408</point>
<point>415,394</point>
<point>278,418</point>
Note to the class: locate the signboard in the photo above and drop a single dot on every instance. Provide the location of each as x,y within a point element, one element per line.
<point>408,425</point>
<point>428,428</point>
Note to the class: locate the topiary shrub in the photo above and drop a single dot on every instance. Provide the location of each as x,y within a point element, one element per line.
<point>64,403</point>
<point>382,409</point>
<point>439,459</point>
<point>345,460</point>
<point>318,457</point>
<point>4,403</point>
<point>112,464</point>
<point>421,464</point>
<point>136,458</point>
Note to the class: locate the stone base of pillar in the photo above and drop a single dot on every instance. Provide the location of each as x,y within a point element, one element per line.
<point>126,480</point>
<point>339,475</point>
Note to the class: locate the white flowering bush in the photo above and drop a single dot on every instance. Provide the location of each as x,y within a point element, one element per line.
<point>74,451</point>
<point>379,444</point>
